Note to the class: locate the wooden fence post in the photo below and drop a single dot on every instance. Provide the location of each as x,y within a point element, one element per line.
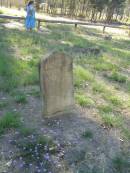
<point>129,31</point>
<point>38,26</point>
<point>104,29</point>
<point>76,25</point>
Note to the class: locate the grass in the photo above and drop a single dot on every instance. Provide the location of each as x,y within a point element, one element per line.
<point>34,92</point>
<point>20,54</point>
<point>82,75</point>
<point>87,134</point>
<point>126,133</point>
<point>111,120</point>
<point>128,86</point>
<point>117,77</point>
<point>8,121</point>
<point>24,131</point>
<point>3,104</point>
<point>104,66</point>
<point>114,100</point>
<point>98,87</point>
<point>105,108</point>
<point>20,98</point>
<point>83,100</point>
<point>121,163</point>
<point>1,12</point>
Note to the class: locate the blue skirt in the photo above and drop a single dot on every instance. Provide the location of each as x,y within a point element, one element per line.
<point>30,22</point>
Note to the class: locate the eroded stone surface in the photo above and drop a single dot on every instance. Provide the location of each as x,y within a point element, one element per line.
<point>56,76</point>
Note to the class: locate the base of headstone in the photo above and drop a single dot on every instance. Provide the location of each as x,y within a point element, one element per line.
<point>68,110</point>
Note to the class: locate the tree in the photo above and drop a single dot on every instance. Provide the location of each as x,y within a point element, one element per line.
<point>112,5</point>
<point>37,2</point>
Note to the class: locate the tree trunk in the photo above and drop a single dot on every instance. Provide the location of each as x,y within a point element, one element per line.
<point>109,16</point>
<point>37,5</point>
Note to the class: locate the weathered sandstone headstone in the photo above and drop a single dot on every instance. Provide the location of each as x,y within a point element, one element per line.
<point>56,77</point>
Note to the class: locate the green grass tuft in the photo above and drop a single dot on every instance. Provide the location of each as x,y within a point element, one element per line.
<point>112,120</point>
<point>20,98</point>
<point>35,93</point>
<point>126,133</point>
<point>118,77</point>
<point>104,66</point>
<point>114,100</point>
<point>121,163</point>
<point>97,87</point>
<point>87,134</point>
<point>8,121</point>
<point>81,75</point>
<point>105,108</point>
<point>1,12</point>
<point>3,104</point>
<point>83,100</point>
<point>26,131</point>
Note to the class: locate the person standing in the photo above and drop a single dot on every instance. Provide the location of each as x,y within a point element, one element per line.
<point>30,18</point>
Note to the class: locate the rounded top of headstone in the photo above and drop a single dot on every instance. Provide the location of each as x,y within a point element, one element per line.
<point>56,58</point>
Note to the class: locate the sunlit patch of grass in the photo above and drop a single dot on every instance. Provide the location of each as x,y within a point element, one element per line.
<point>112,120</point>
<point>104,66</point>
<point>114,100</point>
<point>98,87</point>
<point>81,75</point>
<point>8,121</point>
<point>83,100</point>
<point>1,12</point>
<point>18,71</point>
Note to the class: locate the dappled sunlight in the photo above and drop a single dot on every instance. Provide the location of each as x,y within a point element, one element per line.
<point>14,25</point>
<point>67,43</point>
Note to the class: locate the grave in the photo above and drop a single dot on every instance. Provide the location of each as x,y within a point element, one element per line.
<point>56,80</point>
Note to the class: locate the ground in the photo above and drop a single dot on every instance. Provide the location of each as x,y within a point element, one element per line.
<point>95,137</point>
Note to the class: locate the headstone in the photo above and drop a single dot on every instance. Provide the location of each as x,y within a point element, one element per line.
<point>56,78</point>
